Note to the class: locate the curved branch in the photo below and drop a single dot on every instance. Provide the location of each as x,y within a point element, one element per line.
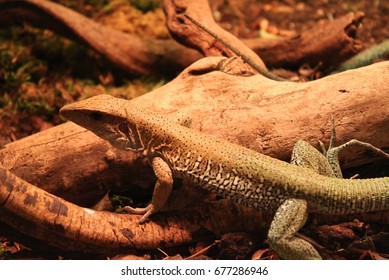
<point>133,54</point>
<point>329,44</point>
<point>69,227</point>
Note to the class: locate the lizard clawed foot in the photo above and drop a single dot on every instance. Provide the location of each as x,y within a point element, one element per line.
<point>146,212</point>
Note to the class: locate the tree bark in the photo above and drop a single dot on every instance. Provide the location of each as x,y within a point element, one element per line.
<point>64,225</point>
<point>255,112</point>
<point>329,44</point>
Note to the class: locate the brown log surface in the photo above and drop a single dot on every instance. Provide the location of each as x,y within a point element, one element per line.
<point>69,227</point>
<point>327,44</point>
<point>330,43</point>
<point>269,116</point>
<point>66,160</point>
<point>188,33</point>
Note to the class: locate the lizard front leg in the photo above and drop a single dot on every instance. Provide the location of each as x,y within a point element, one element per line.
<point>289,218</point>
<point>162,190</point>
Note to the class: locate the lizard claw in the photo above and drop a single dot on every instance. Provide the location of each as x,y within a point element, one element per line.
<point>146,212</point>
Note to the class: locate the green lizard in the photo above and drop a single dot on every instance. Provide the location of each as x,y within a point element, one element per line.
<point>232,171</point>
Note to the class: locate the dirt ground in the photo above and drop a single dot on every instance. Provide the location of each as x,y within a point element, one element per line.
<point>40,71</point>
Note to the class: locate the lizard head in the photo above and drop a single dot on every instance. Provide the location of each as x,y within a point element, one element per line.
<point>109,118</point>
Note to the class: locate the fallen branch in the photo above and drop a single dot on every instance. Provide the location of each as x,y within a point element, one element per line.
<point>327,44</point>
<point>140,56</point>
<point>135,55</point>
<point>188,33</point>
<point>69,227</point>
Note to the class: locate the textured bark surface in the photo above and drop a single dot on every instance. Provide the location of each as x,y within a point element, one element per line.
<point>69,227</point>
<point>327,44</point>
<point>265,115</point>
<point>269,116</point>
<point>135,55</point>
<point>191,35</point>
<point>74,164</point>
<point>330,43</point>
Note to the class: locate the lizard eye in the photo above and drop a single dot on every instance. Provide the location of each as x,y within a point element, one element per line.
<point>96,116</point>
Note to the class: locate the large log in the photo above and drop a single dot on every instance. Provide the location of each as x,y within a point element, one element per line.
<point>255,112</point>
<point>61,224</point>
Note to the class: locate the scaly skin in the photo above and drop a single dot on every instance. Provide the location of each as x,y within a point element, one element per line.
<point>240,174</point>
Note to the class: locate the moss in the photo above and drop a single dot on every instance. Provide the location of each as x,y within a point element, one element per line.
<point>41,71</point>
<point>146,5</point>
<point>37,105</point>
<point>120,201</point>
<point>18,66</point>
<point>4,254</point>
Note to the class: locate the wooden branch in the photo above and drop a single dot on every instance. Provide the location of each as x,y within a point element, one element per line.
<point>324,44</point>
<point>69,227</point>
<point>328,44</point>
<point>186,32</point>
<point>74,164</point>
<point>276,115</point>
<point>140,56</point>
<point>61,224</point>
<point>135,55</point>
<point>263,115</point>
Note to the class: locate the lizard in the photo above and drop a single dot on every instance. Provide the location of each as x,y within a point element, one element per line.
<point>242,175</point>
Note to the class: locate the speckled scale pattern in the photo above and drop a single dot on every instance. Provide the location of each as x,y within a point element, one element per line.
<point>256,180</point>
